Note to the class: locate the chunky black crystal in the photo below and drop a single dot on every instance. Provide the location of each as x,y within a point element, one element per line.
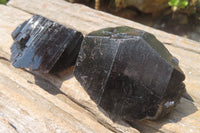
<point>129,73</point>
<point>44,45</point>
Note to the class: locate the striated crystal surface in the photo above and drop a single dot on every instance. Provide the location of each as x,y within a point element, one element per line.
<point>44,45</point>
<point>129,73</point>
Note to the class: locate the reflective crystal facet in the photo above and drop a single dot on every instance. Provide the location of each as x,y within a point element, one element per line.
<point>129,73</point>
<point>44,45</point>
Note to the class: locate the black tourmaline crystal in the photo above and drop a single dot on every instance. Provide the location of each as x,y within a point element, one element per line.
<point>129,73</point>
<point>44,45</point>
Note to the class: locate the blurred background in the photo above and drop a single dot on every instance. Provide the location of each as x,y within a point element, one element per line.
<point>180,17</point>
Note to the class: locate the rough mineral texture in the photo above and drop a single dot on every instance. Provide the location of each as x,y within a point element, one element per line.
<point>44,45</point>
<point>129,73</point>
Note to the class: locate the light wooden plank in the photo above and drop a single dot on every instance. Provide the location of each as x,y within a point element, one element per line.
<point>49,109</point>
<point>6,126</point>
<point>31,88</point>
<point>184,118</point>
<point>68,84</point>
<point>9,20</point>
<point>86,20</point>
<point>190,64</point>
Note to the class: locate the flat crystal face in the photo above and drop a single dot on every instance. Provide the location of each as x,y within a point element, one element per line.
<point>129,73</point>
<point>118,33</point>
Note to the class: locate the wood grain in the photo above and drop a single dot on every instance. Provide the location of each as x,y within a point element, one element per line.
<point>58,102</point>
<point>32,104</point>
<point>86,20</point>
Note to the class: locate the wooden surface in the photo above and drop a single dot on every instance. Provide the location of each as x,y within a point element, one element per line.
<point>33,102</point>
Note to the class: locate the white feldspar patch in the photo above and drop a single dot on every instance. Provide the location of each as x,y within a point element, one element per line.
<point>169,103</point>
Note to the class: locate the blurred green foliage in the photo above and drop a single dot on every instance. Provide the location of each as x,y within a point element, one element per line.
<point>178,3</point>
<point>3,1</point>
<point>187,6</point>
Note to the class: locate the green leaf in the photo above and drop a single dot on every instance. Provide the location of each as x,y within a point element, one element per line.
<point>183,3</point>
<point>3,1</point>
<point>174,2</point>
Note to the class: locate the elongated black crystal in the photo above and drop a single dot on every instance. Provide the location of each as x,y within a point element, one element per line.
<point>129,73</point>
<point>44,45</point>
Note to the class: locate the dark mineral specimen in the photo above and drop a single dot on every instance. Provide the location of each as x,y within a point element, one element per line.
<point>129,73</point>
<point>43,45</point>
